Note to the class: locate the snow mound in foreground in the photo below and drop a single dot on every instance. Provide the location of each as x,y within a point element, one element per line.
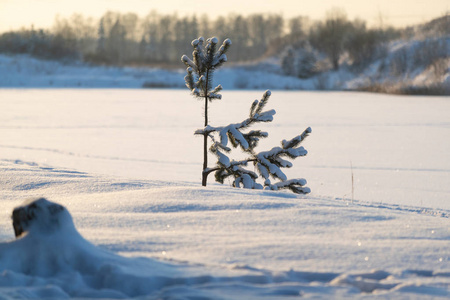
<point>52,259</point>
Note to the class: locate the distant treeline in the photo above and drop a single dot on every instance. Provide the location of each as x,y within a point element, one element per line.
<point>126,39</point>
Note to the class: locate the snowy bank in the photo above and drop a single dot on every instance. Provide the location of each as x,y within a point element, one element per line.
<point>22,71</point>
<point>414,65</point>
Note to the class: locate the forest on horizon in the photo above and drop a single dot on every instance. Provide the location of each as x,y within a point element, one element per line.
<point>160,39</point>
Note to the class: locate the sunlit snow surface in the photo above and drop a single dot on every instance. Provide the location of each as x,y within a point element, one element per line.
<point>127,167</point>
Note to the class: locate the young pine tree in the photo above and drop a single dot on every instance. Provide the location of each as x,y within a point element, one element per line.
<point>207,57</point>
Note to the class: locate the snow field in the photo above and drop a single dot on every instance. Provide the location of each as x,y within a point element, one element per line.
<point>126,165</point>
<point>395,147</point>
<point>218,243</point>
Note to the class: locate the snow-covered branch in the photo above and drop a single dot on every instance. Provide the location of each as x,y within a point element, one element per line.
<point>297,140</point>
<point>295,185</point>
<point>233,132</point>
<point>267,163</point>
<point>205,60</point>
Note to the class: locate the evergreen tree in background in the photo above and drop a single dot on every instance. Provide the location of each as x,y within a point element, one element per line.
<point>207,57</point>
<point>306,62</point>
<point>287,61</point>
<point>299,62</point>
<point>115,43</point>
<point>101,38</point>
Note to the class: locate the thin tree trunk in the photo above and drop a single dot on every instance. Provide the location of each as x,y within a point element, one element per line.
<point>205,159</point>
<point>205,136</point>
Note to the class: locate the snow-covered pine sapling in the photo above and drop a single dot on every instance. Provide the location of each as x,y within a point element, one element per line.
<point>206,58</point>
<point>267,164</point>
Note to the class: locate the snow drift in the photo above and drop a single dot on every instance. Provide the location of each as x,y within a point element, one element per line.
<point>52,259</point>
<point>234,244</point>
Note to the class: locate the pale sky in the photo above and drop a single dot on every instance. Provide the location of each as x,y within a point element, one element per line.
<point>15,14</point>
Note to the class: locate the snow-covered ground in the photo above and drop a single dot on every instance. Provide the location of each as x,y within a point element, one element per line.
<point>408,63</point>
<point>22,71</point>
<point>126,165</point>
<point>396,147</point>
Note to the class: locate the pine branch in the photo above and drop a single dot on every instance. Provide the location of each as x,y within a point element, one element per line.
<point>247,180</point>
<point>189,79</point>
<point>211,47</point>
<point>198,55</point>
<point>270,162</point>
<point>254,136</point>
<point>220,57</point>
<point>297,140</point>
<point>214,94</point>
<point>240,174</point>
<point>205,60</point>
<point>263,102</point>
<point>233,132</point>
<point>295,185</point>
<point>269,165</point>
<point>253,107</point>
<point>188,62</point>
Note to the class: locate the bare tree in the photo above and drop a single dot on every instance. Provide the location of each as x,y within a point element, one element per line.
<point>329,36</point>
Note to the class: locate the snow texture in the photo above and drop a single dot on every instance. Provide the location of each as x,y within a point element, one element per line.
<point>52,260</point>
<point>183,241</point>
